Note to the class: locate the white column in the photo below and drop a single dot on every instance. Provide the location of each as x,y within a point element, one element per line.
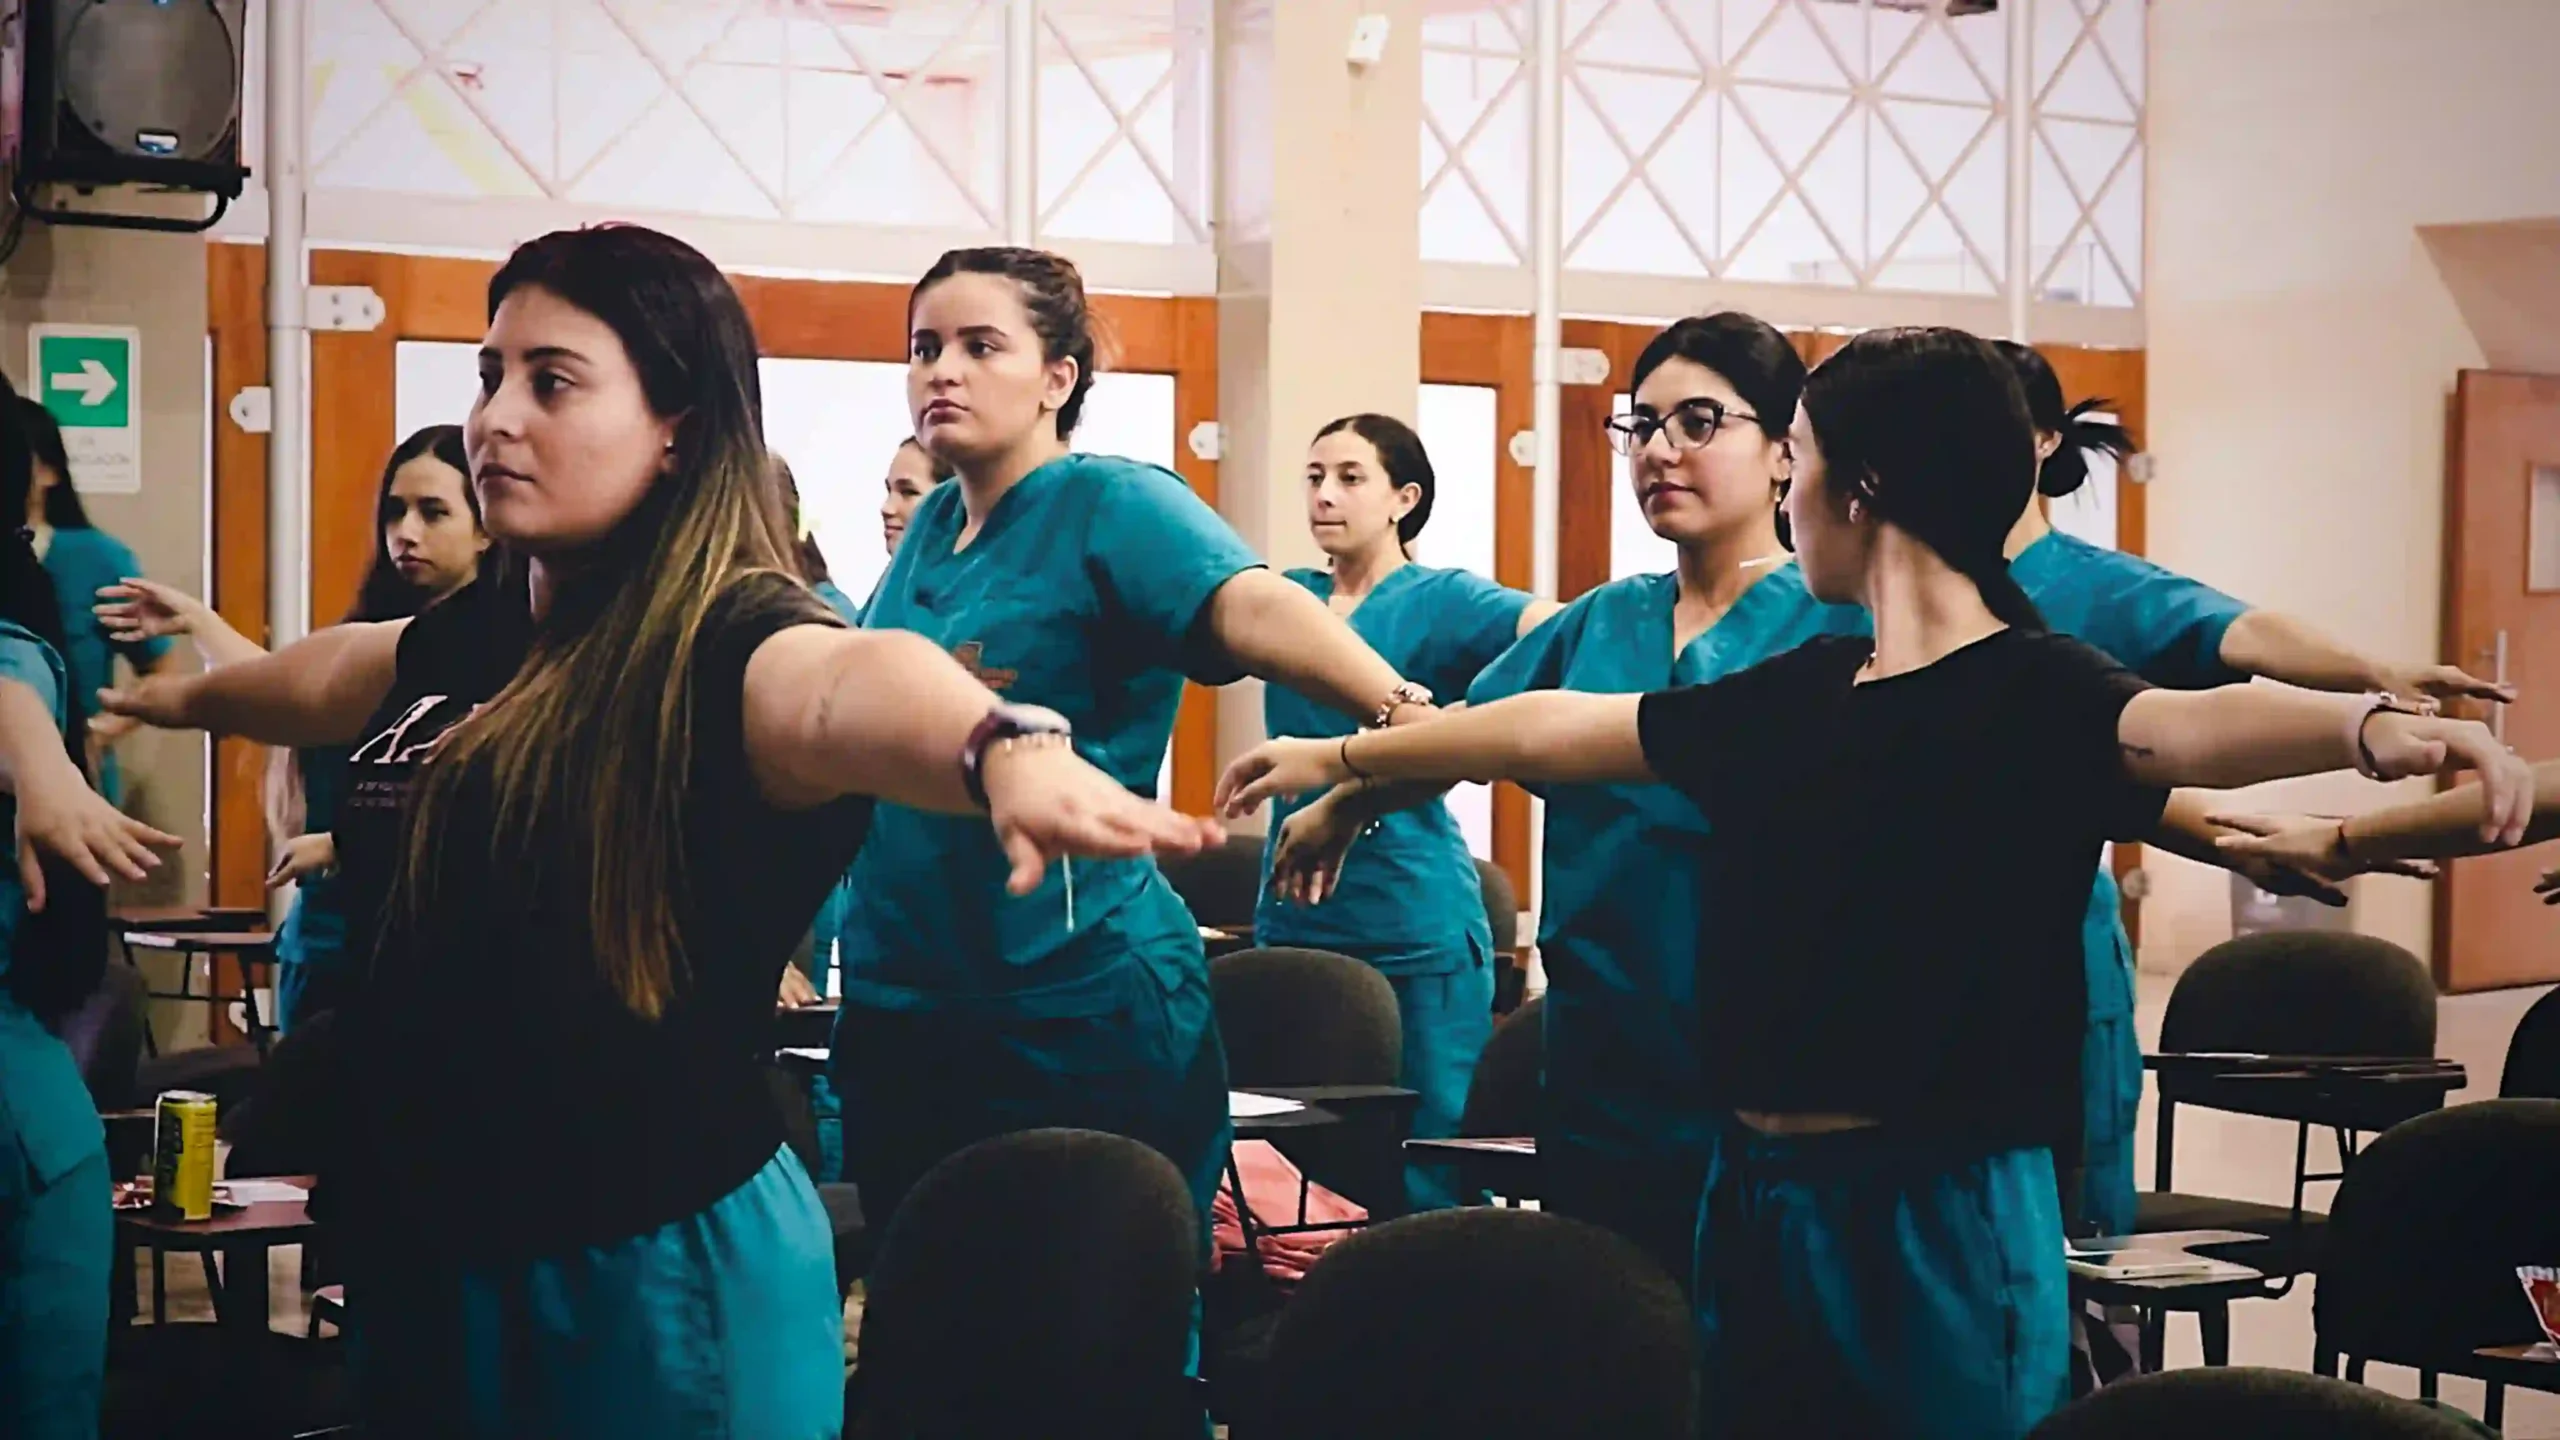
<point>1546,264</point>
<point>288,335</point>
<point>1021,114</point>
<point>2021,288</point>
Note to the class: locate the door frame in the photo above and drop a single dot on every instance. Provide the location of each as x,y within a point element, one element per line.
<point>354,392</point>
<point>1494,352</point>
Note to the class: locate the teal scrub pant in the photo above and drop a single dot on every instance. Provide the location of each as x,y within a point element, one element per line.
<point>1858,1284</point>
<point>1615,1148</point>
<point>726,1324</point>
<point>918,1086</point>
<point>56,1242</point>
<point>2110,1094</point>
<point>1447,1019</point>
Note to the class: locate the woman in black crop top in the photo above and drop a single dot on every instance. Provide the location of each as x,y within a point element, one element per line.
<point>1895,1022</point>
<point>588,817</point>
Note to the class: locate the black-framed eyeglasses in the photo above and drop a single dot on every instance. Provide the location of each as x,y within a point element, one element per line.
<point>1691,425</point>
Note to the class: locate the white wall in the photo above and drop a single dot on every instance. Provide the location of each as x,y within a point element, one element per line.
<point>2302,347</point>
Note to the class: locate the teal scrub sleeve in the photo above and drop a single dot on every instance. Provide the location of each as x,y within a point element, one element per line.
<point>2165,627</point>
<point>32,663</point>
<point>1536,661</point>
<point>839,602</point>
<point>122,564</point>
<point>1480,621</point>
<point>1156,554</point>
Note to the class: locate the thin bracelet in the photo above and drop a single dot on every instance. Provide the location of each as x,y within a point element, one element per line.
<point>1356,772</point>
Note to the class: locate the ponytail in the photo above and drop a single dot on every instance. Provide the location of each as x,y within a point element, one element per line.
<point>2067,468</point>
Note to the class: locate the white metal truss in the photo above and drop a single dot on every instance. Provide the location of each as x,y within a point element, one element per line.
<point>2089,51</point>
<point>1453,166</point>
<point>1187,206</point>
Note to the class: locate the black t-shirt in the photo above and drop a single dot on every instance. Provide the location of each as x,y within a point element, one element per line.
<point>508,1103</point>
<point>1902,867</point>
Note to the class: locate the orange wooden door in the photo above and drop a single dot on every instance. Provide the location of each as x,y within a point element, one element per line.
<point>2502,618</point>
<point>354,389</point>
<point>1493,352</point>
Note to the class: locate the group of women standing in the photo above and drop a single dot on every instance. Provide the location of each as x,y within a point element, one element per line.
<point>586,808</point>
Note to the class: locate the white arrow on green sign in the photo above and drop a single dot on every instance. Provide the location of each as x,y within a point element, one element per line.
<point>84,375</point>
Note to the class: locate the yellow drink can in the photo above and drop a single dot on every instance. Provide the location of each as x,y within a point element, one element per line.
<point>182,1165</point>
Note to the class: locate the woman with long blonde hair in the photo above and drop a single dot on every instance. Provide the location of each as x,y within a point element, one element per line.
<point>590,817</point>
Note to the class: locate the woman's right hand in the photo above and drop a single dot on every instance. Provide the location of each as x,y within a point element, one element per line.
<point>1307,860</point>
<point>302,857</point>
<point>1047,803</point>
<point>135,610</point>
<point>159,701</point>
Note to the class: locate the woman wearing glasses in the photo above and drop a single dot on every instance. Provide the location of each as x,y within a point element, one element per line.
<point>1626,1132</point>
<point>1407,901</point>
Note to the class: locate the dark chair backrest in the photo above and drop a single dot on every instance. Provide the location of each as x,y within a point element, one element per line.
<point>1501,907</point>
<point>2533,1055</point>
<point>1306,1017</point>
<point>1039,1283</point>
<point>1221,883</point>
<point>1424,1327</point>
<point>2215,1402</point>
<point>2303,992</point>
<point>2419,1264</point>
<point>1503,1097</point>
<point>106,1036</point>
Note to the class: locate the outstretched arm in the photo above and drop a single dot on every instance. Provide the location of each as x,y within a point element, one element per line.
<point>57,811</point>
<point>2280,647</point>
<point>1278,630</point>
<point>833,712</point>
<point>2440,827</point>
<point>2244,734</point>
<point>319,690</point>
<point>135,611</point>
<point>1558,736</point>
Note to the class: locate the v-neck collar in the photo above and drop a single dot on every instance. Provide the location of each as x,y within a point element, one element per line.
<point>951,550</point>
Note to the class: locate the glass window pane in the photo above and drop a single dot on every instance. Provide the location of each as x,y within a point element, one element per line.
<point>1123,121</point>
<point>1475,134</point>
<point>837,422</point>
<point>1458,426</point>
<point>1633,547</point>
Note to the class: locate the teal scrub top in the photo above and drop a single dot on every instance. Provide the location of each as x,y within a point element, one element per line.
<point>1623,912</point>
<point>82,561</point>
<point>828,931</point>
<point>46,1113</point>
<point>2159,624</point>
<point>1408,900</point>
<point>1079,593</point>
<point>315,932</point>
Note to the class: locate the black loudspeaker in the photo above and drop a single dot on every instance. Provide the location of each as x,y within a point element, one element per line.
<point>131,92</point>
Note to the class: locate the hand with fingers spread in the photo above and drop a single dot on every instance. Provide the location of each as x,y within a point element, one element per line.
<point>302,857</point>
<point>2398,746</point>
<point>58,814</point>
<point>1047,803</point>
<point>2442,683</point>
<point>1306,861</point>
<point>1279,768</point>
<point>2306,852</point>
<point>135,610</point>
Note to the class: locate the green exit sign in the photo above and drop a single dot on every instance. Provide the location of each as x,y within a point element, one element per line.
<point>84,375</point>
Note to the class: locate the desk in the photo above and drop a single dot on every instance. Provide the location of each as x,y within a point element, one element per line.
<point>2208,1297</point>
<point>241,1237</point>
<point>248,948</point>
<point>805,1027</point>
<point>1504,1165</point>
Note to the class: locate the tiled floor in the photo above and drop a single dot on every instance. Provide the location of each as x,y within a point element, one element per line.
<point>2217,1154</point>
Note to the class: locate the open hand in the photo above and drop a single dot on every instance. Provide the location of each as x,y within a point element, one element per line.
<point>2405,745</point>
<point>135,610</point>
<point>1306,862</point>
<point>2443,682</point>
<point>1047,803</point>
<point>1278,768</point>
<point>59,814</point>
<point>2300,855</point>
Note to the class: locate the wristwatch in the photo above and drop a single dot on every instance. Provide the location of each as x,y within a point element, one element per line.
<point>1405,693</point>
<point>1003,723</point>
<point>2379,702</point>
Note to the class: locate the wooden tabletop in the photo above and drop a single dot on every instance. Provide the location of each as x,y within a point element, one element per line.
<point>267,1221</point>
<point>184,916</point>
<point>200,940</point>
